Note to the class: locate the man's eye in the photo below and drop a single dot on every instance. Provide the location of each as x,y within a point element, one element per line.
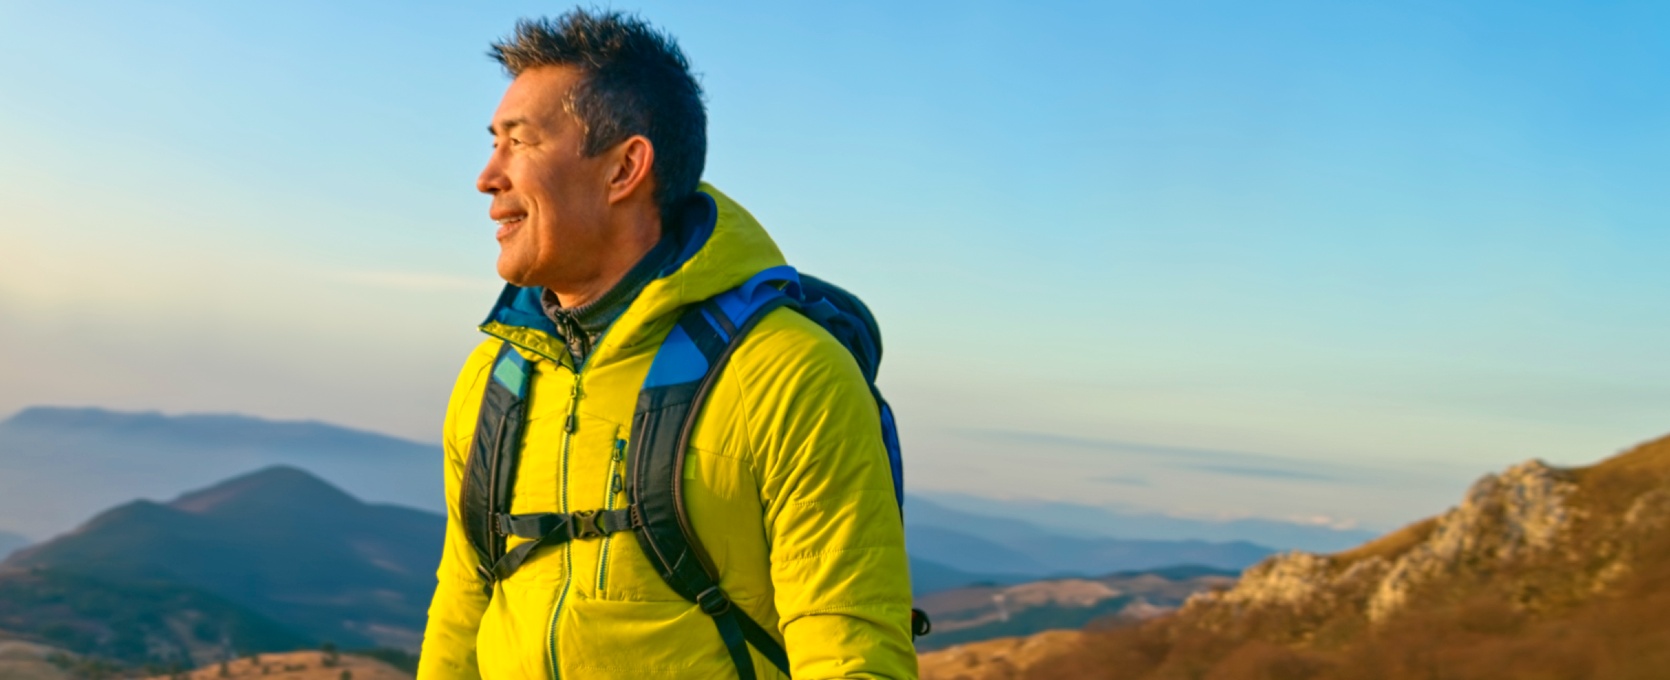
<point>515,142</point>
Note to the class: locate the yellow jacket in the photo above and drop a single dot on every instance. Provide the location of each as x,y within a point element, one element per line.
<point>787,485</point>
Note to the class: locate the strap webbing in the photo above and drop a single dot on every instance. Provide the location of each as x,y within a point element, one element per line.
<point>556,528</point>
<point>494,450</point>
<point>738,630</point>
<point>762,640</point>
<point>736,642</point>
<point>583,524</point>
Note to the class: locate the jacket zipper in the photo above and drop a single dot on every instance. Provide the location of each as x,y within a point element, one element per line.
<point>609,493</point>
<point>569,425</point>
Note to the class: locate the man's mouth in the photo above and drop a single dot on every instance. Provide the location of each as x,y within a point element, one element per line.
<point>508,223</point>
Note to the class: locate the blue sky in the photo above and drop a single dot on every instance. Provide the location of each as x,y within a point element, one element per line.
<point>1321,261</point>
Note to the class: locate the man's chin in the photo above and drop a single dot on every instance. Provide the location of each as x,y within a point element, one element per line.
<point>514,275</point>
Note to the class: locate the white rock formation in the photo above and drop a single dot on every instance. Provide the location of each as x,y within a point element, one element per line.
<point>1509,516</point>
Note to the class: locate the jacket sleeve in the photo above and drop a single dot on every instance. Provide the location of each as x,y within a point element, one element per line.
<point>838,563</point>
<point>449,639</point>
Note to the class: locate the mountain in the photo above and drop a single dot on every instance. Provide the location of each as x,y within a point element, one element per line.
<point>932,577</point>
<point>1085,521</point>
<point>1540,571</point>
<point>279,542</point>
<point>10,542</point>
<point>998,545</point>
<point>59,466</point>
<point>983,612</point>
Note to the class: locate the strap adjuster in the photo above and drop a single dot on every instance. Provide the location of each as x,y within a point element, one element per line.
<point>585,524</point>
<point>713,601</point>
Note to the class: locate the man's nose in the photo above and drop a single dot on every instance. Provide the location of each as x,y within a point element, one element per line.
<point>492,179</point>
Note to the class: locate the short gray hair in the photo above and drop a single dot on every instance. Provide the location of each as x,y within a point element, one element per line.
<point>634,81</point>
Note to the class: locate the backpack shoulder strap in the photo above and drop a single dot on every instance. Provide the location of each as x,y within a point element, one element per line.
<point>490,474</point>
<point>494,450</point>
<point>684,370</point>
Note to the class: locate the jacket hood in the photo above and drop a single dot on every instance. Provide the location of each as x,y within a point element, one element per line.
<point>723,245</point>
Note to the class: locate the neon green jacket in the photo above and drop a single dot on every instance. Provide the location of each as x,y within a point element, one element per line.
<point>787,484</point>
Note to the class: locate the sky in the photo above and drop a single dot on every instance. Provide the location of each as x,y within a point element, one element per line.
<point>1318,261</point>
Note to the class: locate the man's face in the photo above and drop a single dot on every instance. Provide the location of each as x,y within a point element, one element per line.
<point>549,199</point>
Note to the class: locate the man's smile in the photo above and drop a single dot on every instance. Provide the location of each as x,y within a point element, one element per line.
<point>508,221</point>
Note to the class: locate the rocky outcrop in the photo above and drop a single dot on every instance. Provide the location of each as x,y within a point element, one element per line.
<point>1521,514</point>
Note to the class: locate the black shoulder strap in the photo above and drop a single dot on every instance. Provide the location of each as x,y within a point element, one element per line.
<point>491,468</point>
<point>684,370</point>
<point>489,475</point>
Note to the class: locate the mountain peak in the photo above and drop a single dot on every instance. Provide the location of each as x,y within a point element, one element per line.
<point>210,429</point>
<point>79,417</point>
<point>277,486</point>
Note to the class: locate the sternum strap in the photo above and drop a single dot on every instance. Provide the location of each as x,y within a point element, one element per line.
<point>556,528</point>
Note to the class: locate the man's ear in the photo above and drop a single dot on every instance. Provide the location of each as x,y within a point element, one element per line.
<point>630,171</point>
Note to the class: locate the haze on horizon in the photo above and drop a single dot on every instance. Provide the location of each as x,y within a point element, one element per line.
<point>1295,260</point>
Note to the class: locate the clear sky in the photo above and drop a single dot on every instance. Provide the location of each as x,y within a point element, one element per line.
<point>1313,260</point>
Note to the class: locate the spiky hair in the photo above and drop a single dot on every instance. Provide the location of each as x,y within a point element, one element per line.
<point>634,81</point>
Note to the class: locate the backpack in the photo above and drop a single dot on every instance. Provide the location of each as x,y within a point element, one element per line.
<point>685,367</point>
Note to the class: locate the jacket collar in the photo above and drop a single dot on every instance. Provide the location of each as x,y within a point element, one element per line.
<point>723,246</point>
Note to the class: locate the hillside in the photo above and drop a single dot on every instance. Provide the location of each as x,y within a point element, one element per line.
<point>989,611</point>
<point>279,543</point>
<point>1540,572</point>
<point>20,660</point>
<point>130,623</point>
<point>297,666</point>
<point>63,465</point>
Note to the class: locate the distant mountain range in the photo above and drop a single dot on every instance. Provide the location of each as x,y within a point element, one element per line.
<point>59,466</point>
<point>1070,519</point>
<point>1023,551</point>
<point>278,546</point>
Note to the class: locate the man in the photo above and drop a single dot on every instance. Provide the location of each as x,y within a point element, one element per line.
<point>598,148</point>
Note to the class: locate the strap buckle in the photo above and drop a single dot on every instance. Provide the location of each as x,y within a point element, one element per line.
<point>713,601</point>
<point>586,524</point>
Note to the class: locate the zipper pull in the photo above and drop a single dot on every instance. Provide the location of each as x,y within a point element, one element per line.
<point>572,423</point>
<point>620,451</point>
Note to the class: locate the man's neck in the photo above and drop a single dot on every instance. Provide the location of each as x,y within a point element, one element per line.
<point>634,241</point>
<point>582,325</point>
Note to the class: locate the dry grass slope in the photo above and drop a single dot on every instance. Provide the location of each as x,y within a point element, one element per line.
<point>20,660</point>
<point>299,666</point>
<point>1541,573</point>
